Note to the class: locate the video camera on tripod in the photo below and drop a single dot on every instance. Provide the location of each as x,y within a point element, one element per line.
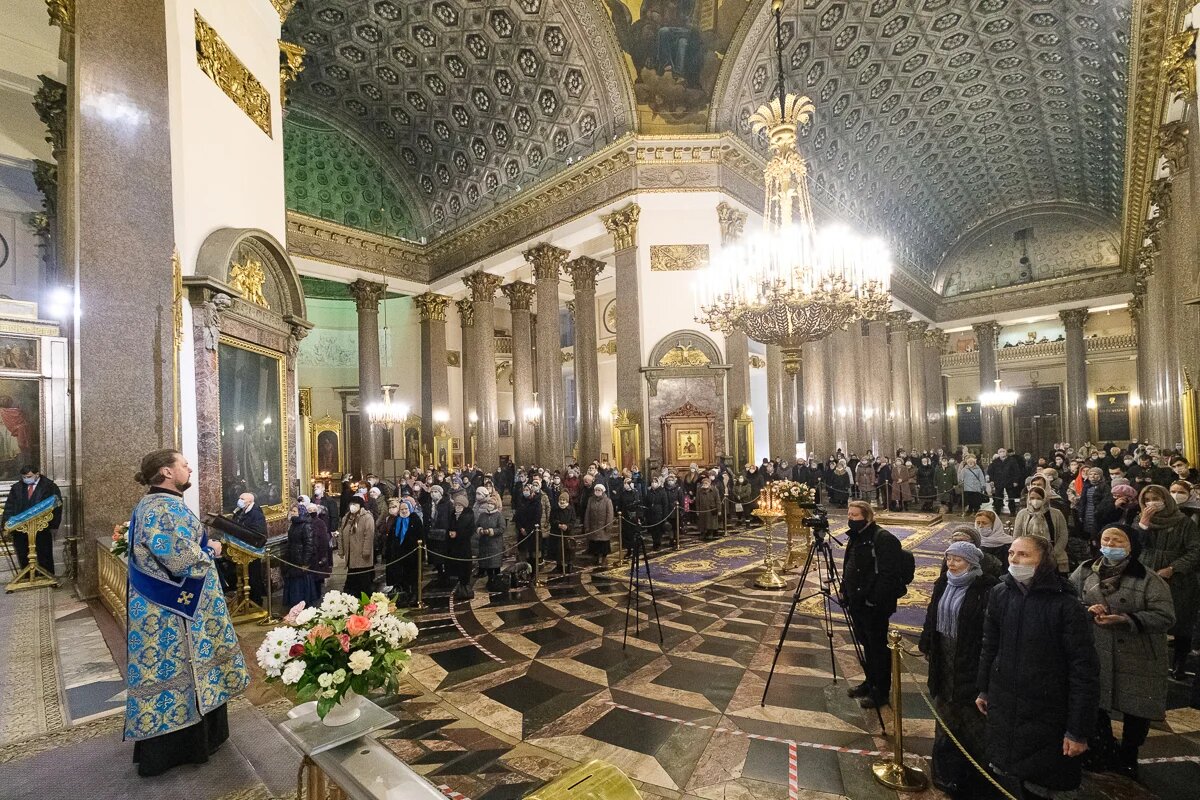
<point>818,522</point>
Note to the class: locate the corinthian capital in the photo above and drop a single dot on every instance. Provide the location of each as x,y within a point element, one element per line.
<point>367,294</point>
<point>583,272</point>
<point>483,285</point>
<point>897,321</point>
<point>916,330</point>
<point>466,312</point>
<point>432,307</point>
<point>622,225</point>
<point>1073,317</point>
<point>986,333</point>
<point>547,261</point>
<point>519,294</point>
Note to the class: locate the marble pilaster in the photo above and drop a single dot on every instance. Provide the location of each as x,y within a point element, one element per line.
<point>583,272</point>
<point>520,295</point>
<point>483,287</point>
<point>1078,427</point>
<point>622,226</point>
<point>900,411</point>
<point>367,295</point>
<point>919,410</point>
<point>992,423</point>
<point>737,344</point>
<point>1146,415</point>
<point>468,359</point>
<point>435,383</point>
<point>844,348</point>
<point>547,262</point>
<point>790,419</point>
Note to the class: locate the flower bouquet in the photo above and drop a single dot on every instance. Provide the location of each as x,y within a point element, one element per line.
<point>795,492</point>
<point>120,540</point>
<point>346,646</point>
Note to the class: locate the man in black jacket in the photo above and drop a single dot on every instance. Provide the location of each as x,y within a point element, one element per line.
<point>249,515</point>
<point>33,488</point>
<point>872,582</point>
<point>1006,475</point>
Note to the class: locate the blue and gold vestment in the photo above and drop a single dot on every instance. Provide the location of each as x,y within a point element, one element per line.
<point>184,658</point>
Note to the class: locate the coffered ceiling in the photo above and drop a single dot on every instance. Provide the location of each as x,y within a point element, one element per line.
<point>935,115</point>
<point>469,99</point>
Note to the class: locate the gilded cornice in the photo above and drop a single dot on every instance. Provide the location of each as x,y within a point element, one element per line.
<point>283,7</point>
<point>50,103</point>
<point>1150,54</point>
<point>321,240</point>
<point>291,64</point>
<point>227,71</point>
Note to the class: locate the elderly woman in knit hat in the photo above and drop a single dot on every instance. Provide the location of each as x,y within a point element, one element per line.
<point>988,562</point>
<point>952,640</point>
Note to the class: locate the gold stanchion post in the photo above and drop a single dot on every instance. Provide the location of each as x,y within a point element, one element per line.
<point>620,558</point>
<point>537,557</point>
<point>421,574</point>
<point>677,526</point>
<point>895,774</point>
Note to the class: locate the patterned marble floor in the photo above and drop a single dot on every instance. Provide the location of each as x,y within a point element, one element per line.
<point>506,693</point>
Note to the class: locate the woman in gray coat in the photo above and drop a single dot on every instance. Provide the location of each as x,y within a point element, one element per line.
<point>1131,610</point>
<point>489,528</point>
<point>1171,547</point>
<point>597,524</point>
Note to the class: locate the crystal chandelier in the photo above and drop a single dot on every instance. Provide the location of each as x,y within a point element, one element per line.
<point>387,413</point>
<point>999,398</point>
<point>790,284</point>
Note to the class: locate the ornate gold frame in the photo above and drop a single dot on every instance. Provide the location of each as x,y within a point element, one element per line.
<point>441,434</point>
<point>317,427</point>
<point>413,421</point>
<point>1191,420</point>
<point>622,421</point>
<point>742,421</point>
<point>279,510</point>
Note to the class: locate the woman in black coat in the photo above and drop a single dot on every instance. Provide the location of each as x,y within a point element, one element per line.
<point>458,544</point>
<point>952,639</point>
<point>321,562</point>
<point>1039,676</point>
<point>628,506</point>
<point>658,511</point>
<point>402,529</point>
<point>437,523</point>
<point>558,542</point>
<point>297,580</point>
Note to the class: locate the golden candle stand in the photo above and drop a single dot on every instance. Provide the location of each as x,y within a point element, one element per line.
<point>799,536</point>
<point>243,609</point>
<point>770,512</point>
<point>34,576</point>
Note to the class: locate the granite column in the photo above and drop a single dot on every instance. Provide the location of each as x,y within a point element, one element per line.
<point>900,411</point>
<point>876,389</point>
<point>775,410</point>
<point>815,400</point>
<point>367,295</point>
<point>1078,427</point>
<point>935,393</point>
<point>622,226</point>
<point>1145,364</point>
<point>583,272</point>
<point>520,295</point>
<point>737,343</point>
<point>483,287</point>
<point>547,262</point>
<point>918,407</point>
<point>467,362</point>
<point>992,422</point>
<point>435,383</point>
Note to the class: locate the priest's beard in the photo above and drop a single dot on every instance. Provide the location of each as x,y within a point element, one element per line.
<point>182,487</point>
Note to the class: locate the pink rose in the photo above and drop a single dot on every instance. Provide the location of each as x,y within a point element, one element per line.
<point>319,632</point>
<point>290,619</point>
<point>297,650</point>
<point>357,624</point>
<point>370,609</point>
<point>345,640</point>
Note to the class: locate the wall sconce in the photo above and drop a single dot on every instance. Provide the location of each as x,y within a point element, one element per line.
<point>1091,403</point>
<point>441,415</point>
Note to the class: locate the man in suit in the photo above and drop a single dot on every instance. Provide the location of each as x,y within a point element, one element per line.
<point>250,516</point>
<point>33,488</point>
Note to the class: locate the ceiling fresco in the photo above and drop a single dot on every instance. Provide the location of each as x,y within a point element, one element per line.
<point>933,116</point>
<point>674,50</point>
<point>468,100</point>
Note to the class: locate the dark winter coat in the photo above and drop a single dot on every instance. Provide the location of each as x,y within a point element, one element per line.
<point>400,556</point>
<point>871,570</point>
<point>299,548</point>
<point>965,670</point>
<point>658,508</point>
<point>1039,671</point>
<point>1133,657</point>
<point>1006,473</point>
<point>1177,546</point>
<point>463,526</point>
<point>321,562</point>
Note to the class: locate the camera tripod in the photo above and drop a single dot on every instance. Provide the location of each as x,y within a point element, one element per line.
<point>633,601</point>
<point>829,587</point>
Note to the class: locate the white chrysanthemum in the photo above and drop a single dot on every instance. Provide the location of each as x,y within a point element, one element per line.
<point>408,630</point>
<point>360,661</point>
<point>272,653</point>
<point>325,680</point>
<point>338,604</point>
<point>293,672</point>
<point>306,616</point>
<point>379,598</point>
<point>329,693</point>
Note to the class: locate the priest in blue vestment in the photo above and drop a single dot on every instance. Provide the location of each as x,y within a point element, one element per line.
<point>184,660</point>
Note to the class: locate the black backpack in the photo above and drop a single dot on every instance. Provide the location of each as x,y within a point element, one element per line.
<point>908,564</point>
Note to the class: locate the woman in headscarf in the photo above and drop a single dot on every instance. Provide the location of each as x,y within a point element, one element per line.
<point>974,484</point>
<point>864,479</point>
<point>403,530</point>
<point>597,524</point>
<point>1131,610</point>
<point>321,562</point>
<point>1185,497</point>
<point>1171,547</point>
<point>1040,519</point>
<point>904,482</point>
<point>356,540</point>
<point>707,503</point>
<point>297,580</point>
<point>927,492</point>
<point>458,544</point>
<point>838,484</point>
<point>1038,676</point>
<point>560,544</point>
<point>952,639</point>
<point>628,503</point>
<point>1121,509</point>
<point>993,538</point>
<point>489,527</point>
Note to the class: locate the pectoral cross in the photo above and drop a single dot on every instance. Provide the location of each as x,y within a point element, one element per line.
<point>185,598</point>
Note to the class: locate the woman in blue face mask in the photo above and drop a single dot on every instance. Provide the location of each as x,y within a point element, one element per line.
<point>1131,611</point>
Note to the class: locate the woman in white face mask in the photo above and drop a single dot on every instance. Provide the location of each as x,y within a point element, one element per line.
<point>1035,734</point>
<point>1040,519</point>
<point>1185,496</point>
<point>1171,547</point>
